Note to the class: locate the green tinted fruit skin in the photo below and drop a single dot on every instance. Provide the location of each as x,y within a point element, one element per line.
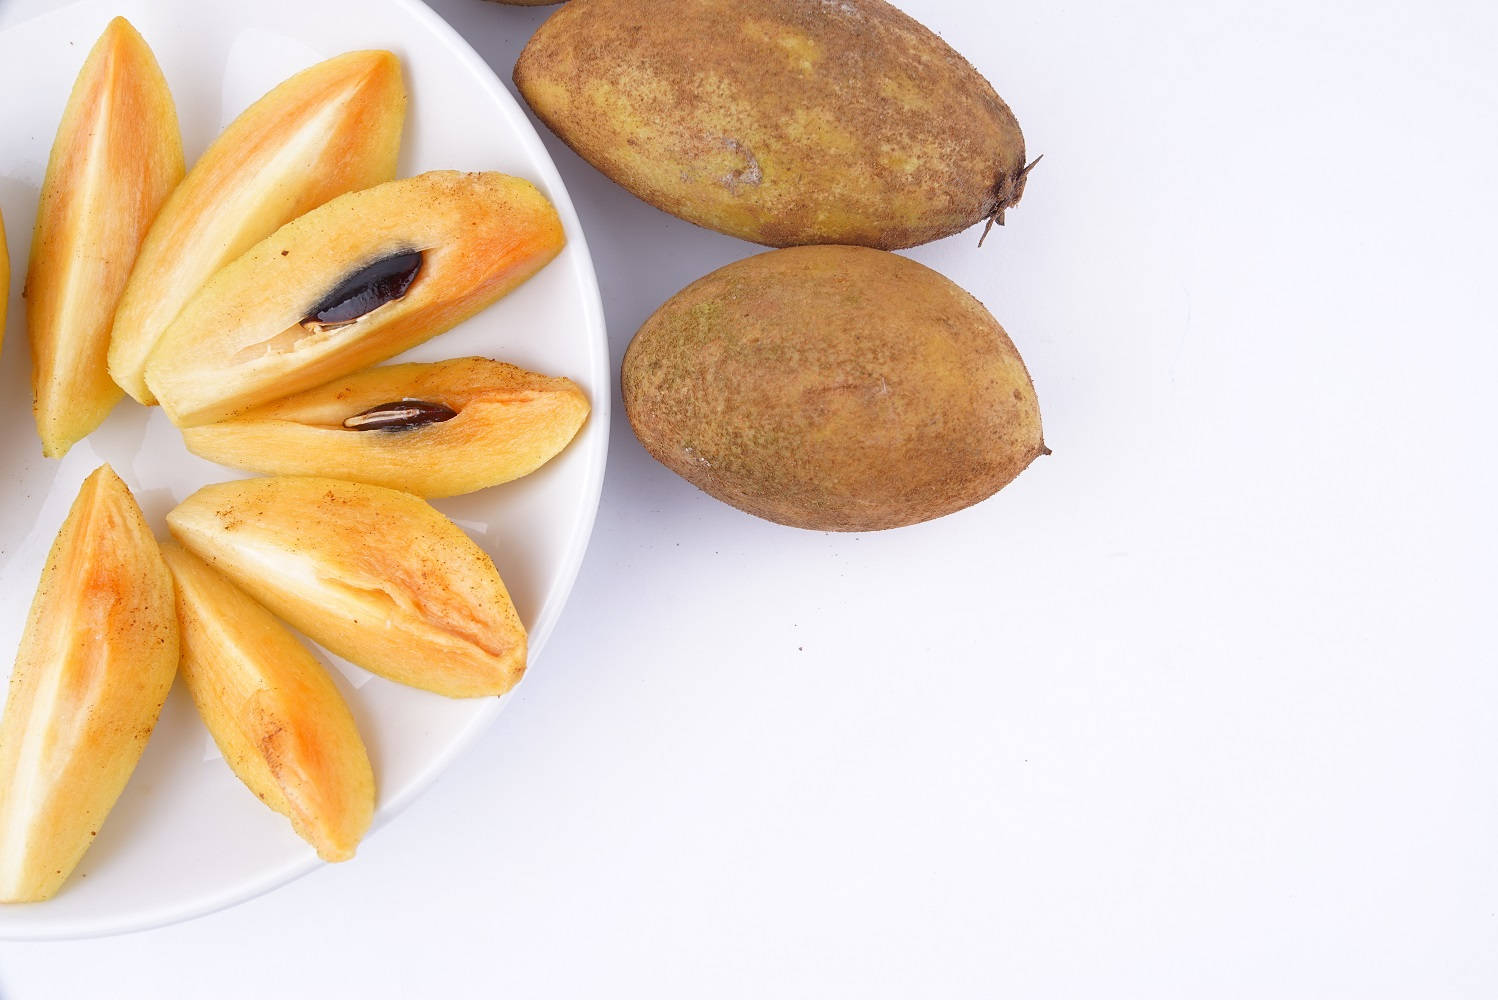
<point>832,388</point>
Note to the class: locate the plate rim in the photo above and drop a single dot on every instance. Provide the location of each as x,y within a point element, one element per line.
<point>552,605</point>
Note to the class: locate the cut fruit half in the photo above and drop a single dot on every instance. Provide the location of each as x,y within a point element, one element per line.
<point>96,660</point>
<point>435,430</point>
<point>330,129</point>
<point>349,284</point>
<point>377,576</point>
<point>116,158</point>
<point>272,709</point>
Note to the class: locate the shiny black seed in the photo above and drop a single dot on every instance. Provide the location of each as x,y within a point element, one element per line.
<point>368,288</point>
<point>401,415</point>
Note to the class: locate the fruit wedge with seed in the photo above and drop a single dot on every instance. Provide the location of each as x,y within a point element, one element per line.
<point>435,430</point>
<point>349,284</point>
<point>97,658</point>
<point>330,129</point>
<point>116,158</point>
<point>377,576</point>
<point>272,709</point>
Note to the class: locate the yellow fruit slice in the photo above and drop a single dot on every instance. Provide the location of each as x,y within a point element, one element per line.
<point>377,576</point>
<point>435,430</point>
<point>96,661</point>
<point>272,710</point>
<point>117,156</point>
<point>329,129</point>
<point>349,284</point>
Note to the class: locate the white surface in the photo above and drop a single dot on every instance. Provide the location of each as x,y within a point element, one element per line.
<point>185,836</point>
<point>1202,706</point>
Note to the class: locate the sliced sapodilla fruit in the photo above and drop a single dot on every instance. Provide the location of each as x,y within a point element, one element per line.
<point>117,156</point>
<point>272,709</point>
<point>349,284</point>
<point>435,430</point>
<point>377,576</point>
<point>97,658</point>
<point>330,129</point>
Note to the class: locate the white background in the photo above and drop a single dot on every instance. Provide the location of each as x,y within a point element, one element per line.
<point>1203,705</point>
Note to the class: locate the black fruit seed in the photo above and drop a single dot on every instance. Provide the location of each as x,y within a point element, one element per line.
<point>401,415</point>
<point>368,288</point>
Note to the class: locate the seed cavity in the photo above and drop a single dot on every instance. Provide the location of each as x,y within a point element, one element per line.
<point>400,415</point>
<point>364,291</point>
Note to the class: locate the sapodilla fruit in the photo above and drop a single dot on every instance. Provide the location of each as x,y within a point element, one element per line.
<point>116,158</point>
<point>349,284</point>
<point>332,128</point>
<point>4,278</point>
<point>272,709</point>
<point>784,122</point>
<point>834,389</point>
<point>377,576</point>
<point>436,430</point>
<point>96,660</point>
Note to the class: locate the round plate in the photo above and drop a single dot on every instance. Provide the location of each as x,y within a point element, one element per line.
<point>186,837</point>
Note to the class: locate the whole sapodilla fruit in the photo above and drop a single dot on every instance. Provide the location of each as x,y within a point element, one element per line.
<point>834,388</point>
<point>783,122</point>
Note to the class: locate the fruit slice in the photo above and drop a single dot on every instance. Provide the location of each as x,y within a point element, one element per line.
<point>117,156</point>
<point>332,128</point>
<point>352,283</point>
<point>272,710</point>
<point>97,658</point>
<point>377,576</point>
<point>435,430</point>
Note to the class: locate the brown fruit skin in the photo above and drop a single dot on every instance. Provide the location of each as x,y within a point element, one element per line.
<point>832,388</point>
<point>508,423</point>
<point>782,122</point>
<point>94,666</point>
<point>529,3</point>
<point>272,710</point>
<point>116,158</point>
<point>4,279</point>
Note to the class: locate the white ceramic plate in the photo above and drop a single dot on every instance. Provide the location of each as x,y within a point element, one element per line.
<point>186,837</point>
